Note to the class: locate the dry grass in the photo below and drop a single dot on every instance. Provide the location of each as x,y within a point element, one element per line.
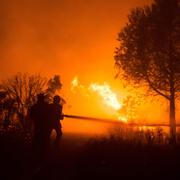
<point>123,152</point>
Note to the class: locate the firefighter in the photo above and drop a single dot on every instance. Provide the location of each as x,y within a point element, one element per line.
<point>40,117</point>
<point>55,116</point>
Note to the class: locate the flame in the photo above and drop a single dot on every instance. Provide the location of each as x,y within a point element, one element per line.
<point>107,94</point>
<point>145,128</point>
<point>123,119</point>
<point>75,84</point>
<point>104,90</point>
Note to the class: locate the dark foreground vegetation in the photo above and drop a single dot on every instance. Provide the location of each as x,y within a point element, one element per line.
<point>84,158</point>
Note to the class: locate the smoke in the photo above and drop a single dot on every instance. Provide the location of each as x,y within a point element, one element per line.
<point>49,36</point>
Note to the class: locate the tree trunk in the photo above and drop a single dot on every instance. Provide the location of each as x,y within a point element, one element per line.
<point>172,118</point>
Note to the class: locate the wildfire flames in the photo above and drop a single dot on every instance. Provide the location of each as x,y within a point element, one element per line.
<point>108,97</point>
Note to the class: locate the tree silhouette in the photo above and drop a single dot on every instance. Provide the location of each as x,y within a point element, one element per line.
<point>21,91</point>
<point>149,51</point>
<point>54,84</point>
<point>18,93</point>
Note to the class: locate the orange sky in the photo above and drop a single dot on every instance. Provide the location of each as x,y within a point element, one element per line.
<point>66,37</point>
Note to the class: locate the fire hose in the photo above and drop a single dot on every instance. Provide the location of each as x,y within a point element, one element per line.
<point>114,121</point>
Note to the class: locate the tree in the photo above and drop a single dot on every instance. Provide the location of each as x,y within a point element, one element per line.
<point>54,85</point>
<point>18,93</point>
<point>149,51</point>
<point>22,89</point>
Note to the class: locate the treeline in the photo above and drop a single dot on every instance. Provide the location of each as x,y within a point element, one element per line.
<point>18,93</point>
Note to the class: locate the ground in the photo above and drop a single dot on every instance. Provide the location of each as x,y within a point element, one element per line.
<point>83,157</point>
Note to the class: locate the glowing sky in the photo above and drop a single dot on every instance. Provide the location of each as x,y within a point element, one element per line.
<point>66,37</point>
<point>62,36</point>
